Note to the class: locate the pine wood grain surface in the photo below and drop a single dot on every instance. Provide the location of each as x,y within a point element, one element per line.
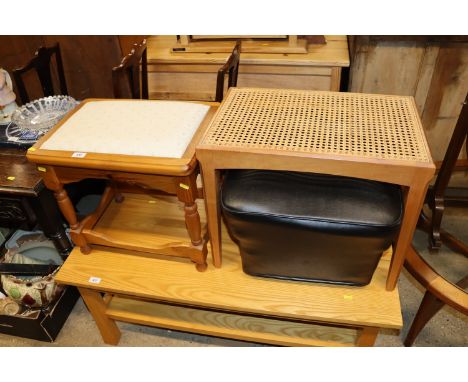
<point>246,328</point>
<point>228,288</point>
<point>156,223</point>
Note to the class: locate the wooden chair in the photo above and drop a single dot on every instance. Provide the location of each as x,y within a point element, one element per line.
<point>439,291</point>
<point>127,76</point>
<point>231,67</point>
<point>41,63</point>
<point>436,196</point>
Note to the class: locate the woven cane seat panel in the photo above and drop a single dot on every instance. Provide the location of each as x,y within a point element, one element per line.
<point>351,124</point>
<point>148,128</point>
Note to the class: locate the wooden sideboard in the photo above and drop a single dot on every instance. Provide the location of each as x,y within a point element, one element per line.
<point>192,76</point>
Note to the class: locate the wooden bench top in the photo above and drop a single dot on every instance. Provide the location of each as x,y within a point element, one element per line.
<point>228,288</point>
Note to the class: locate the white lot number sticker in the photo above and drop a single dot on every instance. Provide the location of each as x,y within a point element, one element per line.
<point>78,155</point>
<point>94,280</point>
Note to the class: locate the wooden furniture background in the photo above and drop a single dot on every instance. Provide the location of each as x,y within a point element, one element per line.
<point>439,292</point>
<point>433,69</point>
<point>436,198</point>
<point>41,63</point>
<point>185,76</point>
<point>225,302</point>
<point>251,44</point>
<point>87,61</point>
<point>365,136</point>
<point>140,174</point>
<point>24,200</point>
<point>231,69</point>
<point>127,43</point>
<point>130,78</point>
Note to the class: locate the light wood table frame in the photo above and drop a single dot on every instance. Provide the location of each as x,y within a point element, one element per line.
<point>225,302</point>
<point>373,137</point>
<point>127,173</point>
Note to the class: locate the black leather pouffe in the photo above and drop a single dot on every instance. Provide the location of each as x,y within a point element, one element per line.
<point>310,227</point>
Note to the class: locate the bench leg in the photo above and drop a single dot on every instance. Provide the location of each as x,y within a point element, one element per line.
<point>367,337</point>
<point>413,206</point>
<point>211,184</point>
<point>109,331</point>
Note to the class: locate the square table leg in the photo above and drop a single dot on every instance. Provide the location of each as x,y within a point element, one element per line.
<point>413,204</point>
<point>367,337</point>
<point>211,185</point>
<point>97,307</point>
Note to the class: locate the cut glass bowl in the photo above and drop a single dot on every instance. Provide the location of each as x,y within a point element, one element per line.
<point>37,117</point>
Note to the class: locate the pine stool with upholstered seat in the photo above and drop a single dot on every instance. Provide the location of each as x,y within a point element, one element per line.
<point>139,146</point>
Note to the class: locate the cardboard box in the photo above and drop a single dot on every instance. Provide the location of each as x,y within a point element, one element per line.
<point>42,326</point>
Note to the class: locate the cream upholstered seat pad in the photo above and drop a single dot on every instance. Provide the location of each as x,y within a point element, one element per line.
<point>148,128</point>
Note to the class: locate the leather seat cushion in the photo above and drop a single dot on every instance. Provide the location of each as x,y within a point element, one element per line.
<point>310,227</point>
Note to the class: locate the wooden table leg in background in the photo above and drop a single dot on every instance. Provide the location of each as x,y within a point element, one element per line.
<point>97,307</point>
<point>367,337</point>
<point>66,206</point>
<point>50,221</point>
<point>211,185</point>
<point>414,202</point>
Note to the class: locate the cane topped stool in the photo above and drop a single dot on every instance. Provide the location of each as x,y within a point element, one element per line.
<point>374,137</point>
<point>139,146</point>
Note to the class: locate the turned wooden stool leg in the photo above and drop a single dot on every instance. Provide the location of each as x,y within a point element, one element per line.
<point>192,221</point>
<point>109,331</point>
<point>187,192</point>
<point>186,189</point>
<point>66,206</point>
